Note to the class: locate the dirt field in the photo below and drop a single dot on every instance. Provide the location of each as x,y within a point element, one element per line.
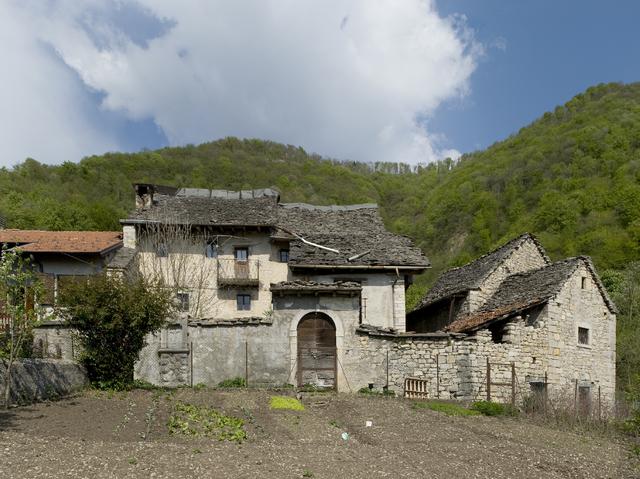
<point>125,435</point>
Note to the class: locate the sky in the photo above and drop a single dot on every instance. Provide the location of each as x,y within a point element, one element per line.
<point>392,80</point>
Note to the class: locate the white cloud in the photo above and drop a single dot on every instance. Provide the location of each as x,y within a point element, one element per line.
<point>349,79</point>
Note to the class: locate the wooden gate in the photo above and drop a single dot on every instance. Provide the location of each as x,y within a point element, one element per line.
<point>317,357</point>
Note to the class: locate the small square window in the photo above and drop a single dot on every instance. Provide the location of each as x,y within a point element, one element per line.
<point>183,301</point>
<point>284,255</point>
<point>244,302</point>
<point>162,250</point>
<point>583,335</point>
<point>211,250</point>
<point>241,254</point>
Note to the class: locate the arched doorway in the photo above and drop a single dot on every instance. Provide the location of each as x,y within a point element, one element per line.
<point>317,358</point>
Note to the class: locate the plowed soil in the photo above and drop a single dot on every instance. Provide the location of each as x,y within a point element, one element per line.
<point>100,435</point>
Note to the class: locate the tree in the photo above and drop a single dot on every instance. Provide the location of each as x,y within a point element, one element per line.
<point>112,315</point>
<point>19,286</point>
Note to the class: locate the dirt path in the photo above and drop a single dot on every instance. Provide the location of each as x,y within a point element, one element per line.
<point>125,435</point>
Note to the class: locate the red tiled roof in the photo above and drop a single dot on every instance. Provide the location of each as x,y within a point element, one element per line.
<point>34,241</point>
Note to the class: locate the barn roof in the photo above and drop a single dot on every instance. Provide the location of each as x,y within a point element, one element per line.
<point>471,275</point>
<point>357,232</point>
<point>525,290</point>
<point>37,241</point>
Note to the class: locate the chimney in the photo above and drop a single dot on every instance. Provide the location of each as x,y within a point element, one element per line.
<point>144,195</point>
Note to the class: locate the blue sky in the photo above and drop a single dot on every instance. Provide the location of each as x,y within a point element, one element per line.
<point>390,80</point>
<point>553,50</point>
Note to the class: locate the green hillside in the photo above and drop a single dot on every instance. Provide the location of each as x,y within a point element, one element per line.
<point>572,178</point>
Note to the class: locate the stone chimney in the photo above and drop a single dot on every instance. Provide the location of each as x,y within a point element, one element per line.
<point>144,195</point>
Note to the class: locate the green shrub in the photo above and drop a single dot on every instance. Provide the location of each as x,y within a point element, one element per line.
<point>376,392</point>
<point>112,316</point>
<point>233,383</point>
<point>285,402</point>
<point>489,408</point>
<point>450,409</point>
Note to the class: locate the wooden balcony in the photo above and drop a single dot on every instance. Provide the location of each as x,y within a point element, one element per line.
<point>232,272</point>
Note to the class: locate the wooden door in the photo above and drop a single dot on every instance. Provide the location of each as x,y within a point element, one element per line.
<point>317,358</point>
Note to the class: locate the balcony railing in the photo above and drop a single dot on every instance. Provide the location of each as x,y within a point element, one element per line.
<point>232,272</point>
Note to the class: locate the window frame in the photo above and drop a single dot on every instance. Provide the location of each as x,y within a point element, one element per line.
<point>238,249</point>
<point>243,304</point>
<point>582,330</point>
<point>180,297</point>
<point>162,250</point>
<point>211,249</point>
<point>282,252</point>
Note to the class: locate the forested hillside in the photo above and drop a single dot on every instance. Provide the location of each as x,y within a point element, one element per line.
<point>572,178</point>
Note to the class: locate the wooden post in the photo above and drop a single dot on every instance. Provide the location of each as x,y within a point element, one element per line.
<point>545,392</point>
<point>599,405</point>
<point>513,384</point>
<point>575,398</point>
<point>191,363</point>
<point>246,363</point>
<point>438,376</point>
<point>488,380</point>
<point>387,384</point>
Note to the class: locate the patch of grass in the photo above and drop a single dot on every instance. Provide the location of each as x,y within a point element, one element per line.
<point>489,408</point>
<point>199,386</point>
<point>450,409</point>
<point>133,461</point>
<point>307,473</point>
<point>285,402</point>
<point>199,421</point>
<point>233,383</point>
<point>334,423</point>
<point>376,392</point>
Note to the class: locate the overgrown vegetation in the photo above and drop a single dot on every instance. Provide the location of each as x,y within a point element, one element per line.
<point>376,392</point>
<point>200,421</point>
<point>448,408</point>
<point>112,316</point>
<point>19,289</point>
<point>285,402</point>
<point>233,383</point>
<point>572,178</point>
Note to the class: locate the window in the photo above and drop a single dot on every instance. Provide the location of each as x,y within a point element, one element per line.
<point>284,255</point>
<point>498,332</point>
<point>183,301</point>
<point>583,336</point>
<point>162,250</point>
<point>583,282</point>
<point>211,250</point>
<point>244,302</point>
<point>241,254</point>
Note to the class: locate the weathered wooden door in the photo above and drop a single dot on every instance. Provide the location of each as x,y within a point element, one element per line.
<point>317,358</point>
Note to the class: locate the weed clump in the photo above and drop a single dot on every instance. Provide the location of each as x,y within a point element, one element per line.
<point>199,421</point>
<point>285,402</point>
<point>233,383</point>
<point>489,408</point>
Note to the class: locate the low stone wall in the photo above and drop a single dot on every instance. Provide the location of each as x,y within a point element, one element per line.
<point>39,379</point>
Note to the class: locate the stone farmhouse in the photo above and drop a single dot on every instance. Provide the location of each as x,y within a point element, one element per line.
<point>289,293</point>
<point>270,291</point>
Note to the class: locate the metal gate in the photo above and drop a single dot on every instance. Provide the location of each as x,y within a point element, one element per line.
<point>317,358</point>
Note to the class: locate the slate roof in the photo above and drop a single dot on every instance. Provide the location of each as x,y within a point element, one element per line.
<point>525,290</point>
<point>300,286</point>
<point>122,259</point>
<point>36,241</point>
<point>350,229</point>
<point>471,275</point>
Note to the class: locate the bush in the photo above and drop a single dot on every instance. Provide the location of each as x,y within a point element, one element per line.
<point>450,409</point>
<point>112,317</point>
<point>233,383</point>
<point>489,408</point>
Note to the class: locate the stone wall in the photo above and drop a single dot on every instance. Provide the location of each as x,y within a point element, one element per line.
<point>39,379</point>
<point>52,339</point>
